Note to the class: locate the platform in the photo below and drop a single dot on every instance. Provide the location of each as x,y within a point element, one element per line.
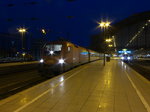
<point>88,88</point>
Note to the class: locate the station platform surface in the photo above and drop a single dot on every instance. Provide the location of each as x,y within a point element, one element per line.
<point>17,63</point>
<point>93,87</point>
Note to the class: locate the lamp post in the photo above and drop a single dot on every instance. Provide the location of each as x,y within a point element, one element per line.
<point>22,31</point>
<point>104,26</point>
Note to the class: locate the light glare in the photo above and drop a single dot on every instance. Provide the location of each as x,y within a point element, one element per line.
<point>41,61</point>
<point>128,58</point>
<point>61,61</point>
<point>43,31</point>
<point>22,30</point>
<point>110,45</point>
<point>122,58</point>
<point>104,24</point>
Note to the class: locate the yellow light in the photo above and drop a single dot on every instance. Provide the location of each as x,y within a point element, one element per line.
<point>43,31</point>
<point>102,24</point>
<point>107,24</point>
<point>22,30</point>
<point>23,54</point>
<point>108,40</point>
<point>110,45</point>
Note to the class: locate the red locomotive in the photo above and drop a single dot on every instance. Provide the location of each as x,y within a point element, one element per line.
<point>61,56</point>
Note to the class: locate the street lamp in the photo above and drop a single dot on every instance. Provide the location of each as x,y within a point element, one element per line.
<point>104,26</point>
<point>108,40</point>
<point>22,31</point>
<point>110,45</point>
<point>107,24</point>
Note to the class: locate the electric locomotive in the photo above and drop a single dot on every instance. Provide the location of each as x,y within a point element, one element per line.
<point>61,56</point>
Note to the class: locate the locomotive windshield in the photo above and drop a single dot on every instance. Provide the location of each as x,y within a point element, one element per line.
<point>54,49</point>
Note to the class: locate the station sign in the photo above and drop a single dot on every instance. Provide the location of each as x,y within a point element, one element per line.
<point>124,51</point>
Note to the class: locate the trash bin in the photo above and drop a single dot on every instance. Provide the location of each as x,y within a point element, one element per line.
<point>108,59</point>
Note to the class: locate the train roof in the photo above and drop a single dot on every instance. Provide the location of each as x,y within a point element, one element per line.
<point>65,42</point>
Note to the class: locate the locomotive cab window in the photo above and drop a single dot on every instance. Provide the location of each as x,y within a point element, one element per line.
<point>53,49</point>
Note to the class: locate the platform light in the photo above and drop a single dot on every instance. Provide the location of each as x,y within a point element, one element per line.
<point>41,61</point>
<point>22,30</point>
<point>102,24</point>
<point>61,61</point>
<point>107,24</point>
<point>108,40</point>
<point>110,45</point>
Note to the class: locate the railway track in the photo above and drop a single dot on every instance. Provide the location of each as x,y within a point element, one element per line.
<point>142,67</point>
<point>15,82</point>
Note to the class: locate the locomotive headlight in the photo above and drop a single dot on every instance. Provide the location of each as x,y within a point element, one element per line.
<point>41,61</point>
<point>128,58</point>
<point>61,61</point>
<point>122,58</point>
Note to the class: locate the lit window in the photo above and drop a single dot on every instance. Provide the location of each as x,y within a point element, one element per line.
<point>53,49</point>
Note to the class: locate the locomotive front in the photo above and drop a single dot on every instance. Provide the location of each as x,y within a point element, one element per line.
<point>52,58</point>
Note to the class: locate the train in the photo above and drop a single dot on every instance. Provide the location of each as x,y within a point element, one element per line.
<point>60,56</point>
<point>127,57</point>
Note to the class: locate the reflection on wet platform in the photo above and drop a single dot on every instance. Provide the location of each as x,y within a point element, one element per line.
<point>88,88</point>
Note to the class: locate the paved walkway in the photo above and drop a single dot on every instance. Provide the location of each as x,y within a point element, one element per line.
<point>88,88</point>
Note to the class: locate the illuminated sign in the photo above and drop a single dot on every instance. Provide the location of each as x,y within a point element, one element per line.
<point>124,52</point>
<point>84,53</point>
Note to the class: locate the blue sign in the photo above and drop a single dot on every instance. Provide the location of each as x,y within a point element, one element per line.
<point>124,52</point>
<point>84,53</point>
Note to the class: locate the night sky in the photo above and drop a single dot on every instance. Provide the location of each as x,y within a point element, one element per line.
<point>72,19</point>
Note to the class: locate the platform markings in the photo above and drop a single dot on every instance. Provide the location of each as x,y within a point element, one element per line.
<point>139,94</point>
<point>44,93</point>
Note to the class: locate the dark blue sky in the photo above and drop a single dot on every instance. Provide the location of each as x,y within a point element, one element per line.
<point>52,15</point>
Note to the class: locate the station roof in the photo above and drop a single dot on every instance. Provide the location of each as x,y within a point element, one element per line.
<point>136,18</point>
